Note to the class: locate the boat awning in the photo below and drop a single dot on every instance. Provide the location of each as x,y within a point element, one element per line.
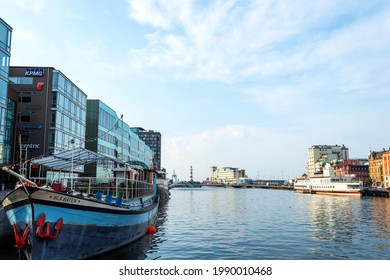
<point>65,160</point>
<point>138,164</point>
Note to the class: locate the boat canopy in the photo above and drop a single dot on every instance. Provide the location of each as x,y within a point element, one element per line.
<point>138,164</point>
<point>65,160</point>
<point>79,157</point>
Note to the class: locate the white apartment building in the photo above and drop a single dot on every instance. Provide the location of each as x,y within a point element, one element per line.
<point>226,175</point>
<point>319,154</point>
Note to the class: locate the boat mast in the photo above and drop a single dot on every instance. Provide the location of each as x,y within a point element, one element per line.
<point>6,169</point>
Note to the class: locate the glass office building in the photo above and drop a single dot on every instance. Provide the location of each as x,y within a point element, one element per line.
<point>68,114</point>
<point>108,135</point>
<point>153,140</point>
<point>51,112</point>
<point>5,54</point>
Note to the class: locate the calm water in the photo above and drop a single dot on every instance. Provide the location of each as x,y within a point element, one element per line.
<point>222,224</point>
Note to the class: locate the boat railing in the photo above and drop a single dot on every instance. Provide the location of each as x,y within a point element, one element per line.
<point>117,187</point>
<point>346,179</point>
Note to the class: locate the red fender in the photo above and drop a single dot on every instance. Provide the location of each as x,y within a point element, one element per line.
<point>43,229</point>
<point>20,240</point>
<point>57,229</point>
<point>40,224</point>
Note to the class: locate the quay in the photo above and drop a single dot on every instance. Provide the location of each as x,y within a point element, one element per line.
<point>250,186</point>
<point>375,192</point>
<point>275,187</point>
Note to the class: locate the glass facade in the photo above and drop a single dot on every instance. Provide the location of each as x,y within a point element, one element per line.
<point>153,140</point>
<point>68,114</point>
<point>9,137</point>
<point>67,118</point>
<point>115,140</point>
<point>5,53</point>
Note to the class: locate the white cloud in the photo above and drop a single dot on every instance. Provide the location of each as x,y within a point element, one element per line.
<point>277,99</point>
<point>35,6</point>
<point>318,63</point>
<point>155,13</point>
<point>308,63</point>
<point>93,58</point>
<point>231,41</point>
<point>253,148</point>
<point>23,35</point>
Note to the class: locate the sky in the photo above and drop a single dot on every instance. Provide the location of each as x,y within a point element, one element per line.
<point>245,84</point>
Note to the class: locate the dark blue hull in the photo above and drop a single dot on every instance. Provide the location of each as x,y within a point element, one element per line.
<point>92,241</point>
<point>52,225</point>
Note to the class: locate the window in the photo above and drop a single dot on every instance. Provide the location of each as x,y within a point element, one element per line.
<point>25,138</point>
<point>2,121</point>
<point>24,118</point>
<point>24,99</point>
<point>53,119</point>
<point>55,80</point>
<point>3,92</point>
<point>54,100</point>
<point>4,64</point>
<point>21,80</point>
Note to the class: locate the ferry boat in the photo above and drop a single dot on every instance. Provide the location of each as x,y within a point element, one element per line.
<point>328,183</point>
<point>57,222</point>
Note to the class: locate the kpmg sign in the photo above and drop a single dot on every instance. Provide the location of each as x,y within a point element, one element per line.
<point>35,72</point>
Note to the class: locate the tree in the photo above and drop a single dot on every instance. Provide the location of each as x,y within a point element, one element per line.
<point>368,182</point>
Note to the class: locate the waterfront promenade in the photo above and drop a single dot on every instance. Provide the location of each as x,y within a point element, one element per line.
<point>250,186</point>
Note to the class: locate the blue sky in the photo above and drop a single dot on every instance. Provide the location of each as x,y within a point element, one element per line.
<point>247,84</point>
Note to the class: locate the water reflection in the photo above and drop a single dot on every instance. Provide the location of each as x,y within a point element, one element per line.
<point>334,218</point>
<point>348,227</point>
<point>380,213</point>
<point>140,249</point>
<point>220,224</point>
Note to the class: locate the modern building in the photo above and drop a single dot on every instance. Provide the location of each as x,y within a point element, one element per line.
<point>5,54</point>
<point>226,175</point>
<point>357,168</point>
<point>319,154</point>
<point>375,161</point>
<point>153,140</point>
<point>51,114</point>
<point>9,149</point>
<point>108,135</point>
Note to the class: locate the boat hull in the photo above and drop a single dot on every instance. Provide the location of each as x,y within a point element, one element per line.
<point>331,192</point>
<point>332,188</point>
<point>5,227</point>
<point>52,225</point>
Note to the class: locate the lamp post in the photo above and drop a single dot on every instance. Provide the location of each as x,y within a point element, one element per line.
<point>71,169</point>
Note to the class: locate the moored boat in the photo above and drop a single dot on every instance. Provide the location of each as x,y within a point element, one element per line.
<point>328,183</point>
<point>56,223</point>
<point>5,227</point>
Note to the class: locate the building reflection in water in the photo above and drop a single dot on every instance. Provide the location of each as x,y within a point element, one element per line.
<point>338,221</point>
<point>140,249</point>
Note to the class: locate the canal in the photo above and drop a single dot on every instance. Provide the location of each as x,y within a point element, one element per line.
<point>259,224</point>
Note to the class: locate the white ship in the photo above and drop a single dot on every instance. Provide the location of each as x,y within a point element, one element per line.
<point>329,183</point>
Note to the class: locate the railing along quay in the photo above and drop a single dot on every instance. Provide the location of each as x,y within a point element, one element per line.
<point>277,187</point>
<point>250,186</point>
